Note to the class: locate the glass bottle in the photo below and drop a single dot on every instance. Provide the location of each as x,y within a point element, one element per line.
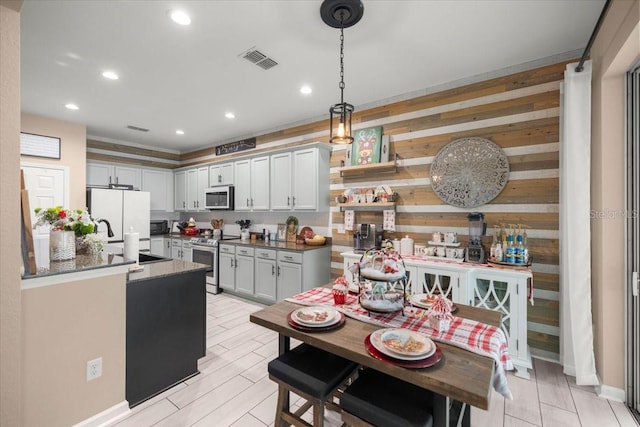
<point>510,250</point>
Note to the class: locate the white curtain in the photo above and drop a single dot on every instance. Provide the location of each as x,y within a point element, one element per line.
<point>576,332</point>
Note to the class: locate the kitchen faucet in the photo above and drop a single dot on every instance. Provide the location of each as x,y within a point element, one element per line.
<point>109,230</point>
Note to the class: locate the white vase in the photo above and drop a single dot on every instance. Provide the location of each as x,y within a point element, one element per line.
<point>62,245</point>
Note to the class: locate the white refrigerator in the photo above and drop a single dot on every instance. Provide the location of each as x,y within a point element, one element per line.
<point>123,209</point>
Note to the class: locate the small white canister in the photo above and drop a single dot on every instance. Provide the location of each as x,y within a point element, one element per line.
<point>406,246</point>
<point>396,245</point>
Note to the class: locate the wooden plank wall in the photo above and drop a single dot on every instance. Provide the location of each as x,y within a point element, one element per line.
<point>519,112</point>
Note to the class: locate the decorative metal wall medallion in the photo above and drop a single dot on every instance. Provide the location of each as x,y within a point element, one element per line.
<point>469,172</point>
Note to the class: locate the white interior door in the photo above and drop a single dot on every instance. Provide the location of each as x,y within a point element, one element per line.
<point>48,187</point>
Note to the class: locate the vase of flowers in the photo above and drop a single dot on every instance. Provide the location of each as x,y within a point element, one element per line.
<point>69,227</point>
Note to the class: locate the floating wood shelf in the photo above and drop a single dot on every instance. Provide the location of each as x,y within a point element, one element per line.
<point>367,206</point>
<point>386,167</point>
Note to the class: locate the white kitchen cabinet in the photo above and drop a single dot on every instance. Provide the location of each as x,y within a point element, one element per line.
<point>103,174</point>
<point>242,184</point>
<point>289,271</point>
<point>197,182</point>
<point>265,275</point>
<point>167,247</point>
<point>244,270</point>
<point>504,290</point>
<point>221,174</point>
<point>156,246</point>
<point>159,184</point>
<point>180,190</point>
<point>251,182</point>
<point>181,249</point>
<point>226,267</point>
<point>300,180</point>
<point>281,181</point>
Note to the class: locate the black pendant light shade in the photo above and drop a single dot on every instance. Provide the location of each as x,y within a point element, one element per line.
<point>341,14</point>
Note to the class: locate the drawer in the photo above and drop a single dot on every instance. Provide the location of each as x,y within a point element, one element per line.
<point>242,250</point>
<point>176,242</point>
<point>295,257</point>
<point>227,249</point>
<point>266,253</point>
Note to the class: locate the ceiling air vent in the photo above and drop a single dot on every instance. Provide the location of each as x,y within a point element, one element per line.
<point>254,56</point>
<point>139,129</point>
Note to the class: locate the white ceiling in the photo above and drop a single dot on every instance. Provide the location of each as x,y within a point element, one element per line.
<point>174,77</point>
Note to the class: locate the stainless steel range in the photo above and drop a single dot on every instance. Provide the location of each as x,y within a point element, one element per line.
<point>205,251</point>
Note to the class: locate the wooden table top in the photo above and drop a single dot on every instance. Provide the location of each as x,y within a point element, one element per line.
<point>462,375</point>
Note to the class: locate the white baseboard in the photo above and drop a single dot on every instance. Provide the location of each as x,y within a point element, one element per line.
<point>611,393</point>
<point>107,417</point>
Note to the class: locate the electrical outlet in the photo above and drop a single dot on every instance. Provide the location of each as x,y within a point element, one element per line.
<point>94,369</point>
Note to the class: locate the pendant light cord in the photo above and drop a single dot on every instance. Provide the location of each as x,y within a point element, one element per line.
<point>341,85</point>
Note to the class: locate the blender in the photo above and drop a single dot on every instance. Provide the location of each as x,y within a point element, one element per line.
<point>477,227</point>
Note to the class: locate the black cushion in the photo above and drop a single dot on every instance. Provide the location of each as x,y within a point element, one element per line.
<point>311,370</point>
<point>384,401</point>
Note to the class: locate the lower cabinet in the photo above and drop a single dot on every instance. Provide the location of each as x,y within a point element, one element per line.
<point>270,274</point>
<point>504,290</point>
<point>156,246</point>
<point>181,249</point>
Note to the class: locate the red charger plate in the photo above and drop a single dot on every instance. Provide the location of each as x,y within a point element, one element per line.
<point>415,364</point>
<point>306,328</point>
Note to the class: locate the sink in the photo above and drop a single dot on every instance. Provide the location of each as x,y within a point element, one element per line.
<point>145,258</point>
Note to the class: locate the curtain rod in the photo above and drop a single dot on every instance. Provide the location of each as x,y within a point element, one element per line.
<point>587,49</point>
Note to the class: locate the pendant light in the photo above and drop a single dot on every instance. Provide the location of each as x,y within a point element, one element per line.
<point>341,14</point>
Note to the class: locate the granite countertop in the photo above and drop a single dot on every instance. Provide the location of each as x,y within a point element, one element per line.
<point>292,246</point>
<point>164,268</point>
<point>79,263</point>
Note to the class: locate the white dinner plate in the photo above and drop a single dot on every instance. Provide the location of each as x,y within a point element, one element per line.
<point>376,341</point>
<point>318,316</point>
<point>419,300</point>
<point>406,343</point>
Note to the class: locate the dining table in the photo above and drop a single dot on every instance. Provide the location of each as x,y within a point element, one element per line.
<point>461,378</point>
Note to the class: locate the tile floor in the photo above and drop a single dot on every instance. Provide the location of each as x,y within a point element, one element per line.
<point>233,388</point>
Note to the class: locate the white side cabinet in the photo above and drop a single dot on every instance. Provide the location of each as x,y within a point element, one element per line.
<point>504,290</point>
<point>181,249</point>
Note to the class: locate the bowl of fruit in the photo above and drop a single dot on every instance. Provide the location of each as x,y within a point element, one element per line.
<point>316,240</point>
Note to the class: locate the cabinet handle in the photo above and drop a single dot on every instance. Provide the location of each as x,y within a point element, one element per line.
<point>184,204</point>
<point>251,202</point>
<point>194,203</point>
<point>288,200</point>
<point>293,204</point>
<point>273,270</point>
<point>287,257</point>
<point>231,259</point>
<point>117,180</point>
<point>219,178</point>
<point>247,202</point>
<point>278,270</point>
<point>109,179</point>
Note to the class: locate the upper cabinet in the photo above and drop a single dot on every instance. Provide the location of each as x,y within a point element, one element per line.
<point>159,184</point>
<point>189,186</point>
<point>180,190</point>
<point>251,182</point>
<point>104,174</point>
<point>300,180</point>
<point>221,174</point>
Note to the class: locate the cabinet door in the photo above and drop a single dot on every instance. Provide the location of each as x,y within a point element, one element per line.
<point>242,182</point>
<point>244,274</point>
<point>226,271</point>
<point>180,190</point>
<point>203,184</point>
<point>260,184</point>
<point>154,182</point>
<point>167,248</point>
<point>215,175</point>
<point>281,181</point>
<point>127,175</point>
<point>226,174</point>
<point>289,280</point>
<point>187,251</point>
<point>435,281</point>
<point>265,283</point>
<point>192,189</point>
<point>157,246</point>
<point>305,179</point>
<point>176,249</point>
<point>99,174</point>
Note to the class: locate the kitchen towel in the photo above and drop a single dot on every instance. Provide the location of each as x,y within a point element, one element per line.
<point>131,245</point>
<point>348,220</point>
<point>389,220</point>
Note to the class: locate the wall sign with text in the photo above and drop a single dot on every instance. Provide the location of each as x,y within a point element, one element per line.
<point>39,146</point>
<point>234,147</point>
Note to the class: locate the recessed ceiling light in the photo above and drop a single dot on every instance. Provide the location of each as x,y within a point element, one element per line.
<point>230,115</point>
<point>180,132</point>
<point>72,106</point>
<point>180,17</point>
<point>110,75</point>
<point>305,90</point>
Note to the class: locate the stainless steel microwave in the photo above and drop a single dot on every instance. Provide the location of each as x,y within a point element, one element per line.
<point>219,198</point>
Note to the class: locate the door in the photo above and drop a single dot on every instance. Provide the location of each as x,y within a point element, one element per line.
<point>99,175</point>
<point>127,175</point>
<point>265,283</point>
<point>226,270</point>
<point>281,181</point>
<point>289,279</point>
<point>260,184</point>
<point>180,189</point>
<point>203,184</point>
<point>242,182</point>
<point>192,189</point>
<point>48,187</point>
<point>154,182</point>
<point>633,241</point>
<point>244,274</point>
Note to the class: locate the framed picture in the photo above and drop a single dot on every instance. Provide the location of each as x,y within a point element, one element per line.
<point>366,146</point>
